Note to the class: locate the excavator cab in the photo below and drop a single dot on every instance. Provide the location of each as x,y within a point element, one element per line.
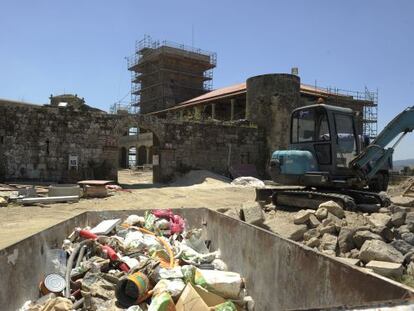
<point>323,141</point>
<point>329,161</point>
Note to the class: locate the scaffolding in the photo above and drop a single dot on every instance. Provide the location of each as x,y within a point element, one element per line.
<point>151,73</point>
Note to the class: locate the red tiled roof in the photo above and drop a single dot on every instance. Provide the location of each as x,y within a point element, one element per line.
<point>237,89</point>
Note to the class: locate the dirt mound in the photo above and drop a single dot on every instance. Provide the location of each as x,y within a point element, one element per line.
<point>201,177</point>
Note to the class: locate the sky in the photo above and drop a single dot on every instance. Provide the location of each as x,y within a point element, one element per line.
<point>56,46</point>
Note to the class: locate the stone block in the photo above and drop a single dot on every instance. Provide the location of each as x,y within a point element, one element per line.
<point>402,246</point>
<point>408,237</point>
<point>409,218</point>
<point>403,201</point>
<point>313,242</point>
<point>333,208</point>
<point>313,222</point>
<point>287,230</point>
<point>302,216</point>
<point>328,242</point>
<point>345,240</point>
<point>361,236</point>
<point>321,213</point>
<point>379,219</point>
<point>312,233</point>
<point>233,212</point>
<point>253,213</point>
<point>386,233</point>
<point>379,250</point>
<point>388,269</point>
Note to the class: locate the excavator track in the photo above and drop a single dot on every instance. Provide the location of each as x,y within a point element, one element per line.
<point>311,199</point>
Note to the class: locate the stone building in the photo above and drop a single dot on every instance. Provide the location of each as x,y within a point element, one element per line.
<point>65,140</point>
<point>181,125</point>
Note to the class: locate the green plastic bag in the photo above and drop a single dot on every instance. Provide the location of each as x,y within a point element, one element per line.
<point>227,306</point>
<point>162,302</point>
<point>149,221</point>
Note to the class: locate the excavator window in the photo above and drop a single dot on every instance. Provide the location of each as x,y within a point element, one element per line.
<point>345,139</point>
<point>310,125</point>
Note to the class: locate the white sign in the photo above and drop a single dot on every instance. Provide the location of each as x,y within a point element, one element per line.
<point>73,162</point>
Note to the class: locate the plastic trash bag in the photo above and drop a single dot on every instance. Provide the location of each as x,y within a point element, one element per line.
<point>134,220</point>
<point>223,283</point>
<point>227,306</point>
<point>194,240</point>
<point>174,287</point>
<point>162,302</point>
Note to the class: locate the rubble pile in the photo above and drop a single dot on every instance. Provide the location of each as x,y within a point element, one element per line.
<point>382,241</point>
<point>152,263</point>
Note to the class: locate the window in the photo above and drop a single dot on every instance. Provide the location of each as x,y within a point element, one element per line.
<point>345,140</point>
<point>309,125</point>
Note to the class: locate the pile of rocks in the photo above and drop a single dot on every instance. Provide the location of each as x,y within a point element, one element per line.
<point>382,241</point>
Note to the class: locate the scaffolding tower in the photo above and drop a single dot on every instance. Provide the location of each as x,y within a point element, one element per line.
<point>164,74</point>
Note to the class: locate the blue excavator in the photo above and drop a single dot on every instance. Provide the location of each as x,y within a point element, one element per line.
<point>328,159</point>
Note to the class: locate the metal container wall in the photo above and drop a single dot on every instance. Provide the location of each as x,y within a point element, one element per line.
<point>280,274</point>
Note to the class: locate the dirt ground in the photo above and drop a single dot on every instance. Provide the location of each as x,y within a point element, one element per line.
<point>198,190</point>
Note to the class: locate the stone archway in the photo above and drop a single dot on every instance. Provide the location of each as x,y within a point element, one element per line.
<point>153,154</point>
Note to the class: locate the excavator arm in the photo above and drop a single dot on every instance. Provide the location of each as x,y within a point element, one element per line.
<point>376,154</point>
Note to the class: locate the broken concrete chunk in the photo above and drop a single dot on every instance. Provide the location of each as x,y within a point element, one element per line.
<point>361,236</point>
<point>409,218</point>
<point>313,222</point>
<point>402,201</point>
<point>253,213</point>
<point>350,261</point>
<point>405,229</point>
<point>408,237</point>
<point>313,242</point>
<point>312,233</point>
<point>333,208</point>
<point>321,213</point>
<point>354,253</point>
<point>345,240</point>
<point>402,246</point>
<point>397,208</point>
<point>302,216</point>
<point>287,230</point>
<point>233,212</point>
<point>386,233</point>
<point>384,210</point>
<point>328,242</point>
<point>398,218</point>
<point>388,269</point>
<point>379,219</point>
<point>379,250</point>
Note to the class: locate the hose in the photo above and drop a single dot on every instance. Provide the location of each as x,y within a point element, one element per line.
<point>165,244</point>
<point>69,265</point>
<point>80,256</point>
